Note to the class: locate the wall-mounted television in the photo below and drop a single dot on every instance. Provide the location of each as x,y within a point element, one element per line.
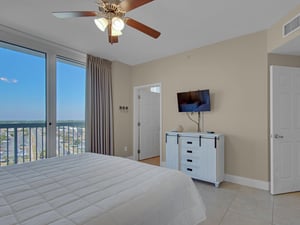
<point>194,101</point>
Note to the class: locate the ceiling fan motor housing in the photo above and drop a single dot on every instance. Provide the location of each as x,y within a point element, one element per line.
<point>112,9</point>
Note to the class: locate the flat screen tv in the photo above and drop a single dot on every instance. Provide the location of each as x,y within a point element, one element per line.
<point>194,101</point>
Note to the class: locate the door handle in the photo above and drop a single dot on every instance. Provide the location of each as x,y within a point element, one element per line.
<point>277,136</point>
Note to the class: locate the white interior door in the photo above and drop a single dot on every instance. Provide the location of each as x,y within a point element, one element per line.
<point>285,129</point>
<point>149,121</point>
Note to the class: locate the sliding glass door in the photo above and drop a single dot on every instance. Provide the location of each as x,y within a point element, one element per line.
<point>70,107</point>
<point>22,104</point>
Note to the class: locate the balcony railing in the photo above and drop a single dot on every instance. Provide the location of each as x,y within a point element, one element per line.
<point>26,141</point>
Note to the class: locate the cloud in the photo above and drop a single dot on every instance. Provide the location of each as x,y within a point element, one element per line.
<point>4,79</point>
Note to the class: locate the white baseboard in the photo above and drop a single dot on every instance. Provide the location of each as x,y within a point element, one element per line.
<point>264,185</point>
<point>259,184</point>
<point>130,157</point>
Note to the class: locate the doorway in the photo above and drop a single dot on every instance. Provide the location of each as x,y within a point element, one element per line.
<point>285,129</point>
<point>147,122</point>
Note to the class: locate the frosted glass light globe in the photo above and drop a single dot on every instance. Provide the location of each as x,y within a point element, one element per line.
<point>101,23</point>
<point>117,23</point>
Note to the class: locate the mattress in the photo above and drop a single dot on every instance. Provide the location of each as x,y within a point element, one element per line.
<point>95,189</point>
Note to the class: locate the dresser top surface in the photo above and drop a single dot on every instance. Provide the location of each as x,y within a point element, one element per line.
<point>194,134</point>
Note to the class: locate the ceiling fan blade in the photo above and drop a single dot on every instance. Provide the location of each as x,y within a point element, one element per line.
<point>72,14</point>
<point>142,27</point>
<point>111,39</point>
<point>128,5</point>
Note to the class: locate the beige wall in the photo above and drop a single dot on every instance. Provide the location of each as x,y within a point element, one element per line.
<point>235,71</point>
<point>122,96</point>
<point>275,38</point>
<point>284,60</point>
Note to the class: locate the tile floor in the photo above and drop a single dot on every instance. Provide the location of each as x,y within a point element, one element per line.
<point>233,204</point>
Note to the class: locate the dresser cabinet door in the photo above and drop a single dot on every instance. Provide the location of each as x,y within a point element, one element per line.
<point>208,154</point>
<point>172,152</point>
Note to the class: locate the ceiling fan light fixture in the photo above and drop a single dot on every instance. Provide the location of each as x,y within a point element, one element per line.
<point>116,32</point>
<point>117,23</point>
<point>110,16</point>
<point>101,23</point>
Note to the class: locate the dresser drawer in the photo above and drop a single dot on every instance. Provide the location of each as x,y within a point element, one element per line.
<point>190,160</point>
<point>187,142</point>
<point>190,152</point>
<point>191,171</point>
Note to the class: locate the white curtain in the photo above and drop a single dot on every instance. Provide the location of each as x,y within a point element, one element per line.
<point>99,114</point>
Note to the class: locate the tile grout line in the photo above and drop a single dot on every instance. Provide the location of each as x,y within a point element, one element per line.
<point>229,205</point>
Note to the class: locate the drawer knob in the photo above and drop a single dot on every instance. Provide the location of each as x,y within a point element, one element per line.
<point>189,160</point>
<point>189,169</point>
<point>189,151</point>
<point>189,142</point>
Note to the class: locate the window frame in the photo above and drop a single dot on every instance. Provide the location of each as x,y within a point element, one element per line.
<point>52,51</point>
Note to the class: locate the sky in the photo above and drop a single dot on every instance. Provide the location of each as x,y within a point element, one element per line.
<point>23,87</point>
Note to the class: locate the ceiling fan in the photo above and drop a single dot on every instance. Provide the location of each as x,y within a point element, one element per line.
<point>111,15</point>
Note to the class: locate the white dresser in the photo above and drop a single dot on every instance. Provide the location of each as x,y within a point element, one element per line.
<point>199,155</point>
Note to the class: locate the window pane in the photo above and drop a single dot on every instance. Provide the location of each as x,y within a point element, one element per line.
<point>70,131</point>
<point>22,112</point>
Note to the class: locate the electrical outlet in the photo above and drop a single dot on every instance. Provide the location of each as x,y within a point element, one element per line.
<point>125,148</point>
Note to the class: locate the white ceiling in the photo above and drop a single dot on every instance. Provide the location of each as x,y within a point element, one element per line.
<point>184,24</point>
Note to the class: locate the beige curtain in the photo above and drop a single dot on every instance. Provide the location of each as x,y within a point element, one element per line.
<point>99,114</point>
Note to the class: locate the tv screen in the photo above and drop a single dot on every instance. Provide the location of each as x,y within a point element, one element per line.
<point>194,101</point>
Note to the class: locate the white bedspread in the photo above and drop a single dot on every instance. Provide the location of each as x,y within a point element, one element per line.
<point>95,189</point>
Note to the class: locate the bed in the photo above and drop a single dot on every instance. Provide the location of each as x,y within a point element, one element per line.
<point>93,189</point>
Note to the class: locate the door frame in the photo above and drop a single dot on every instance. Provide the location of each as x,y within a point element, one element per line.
<point>135,119</point>
<point>271,129</point>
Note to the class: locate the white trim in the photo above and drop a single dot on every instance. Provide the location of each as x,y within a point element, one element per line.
<point>264,185</point>
<point>130,157</point>
<point>17,37</point>
<point>163,163</point>
<point>135,120</point>
<point>271,111</point>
